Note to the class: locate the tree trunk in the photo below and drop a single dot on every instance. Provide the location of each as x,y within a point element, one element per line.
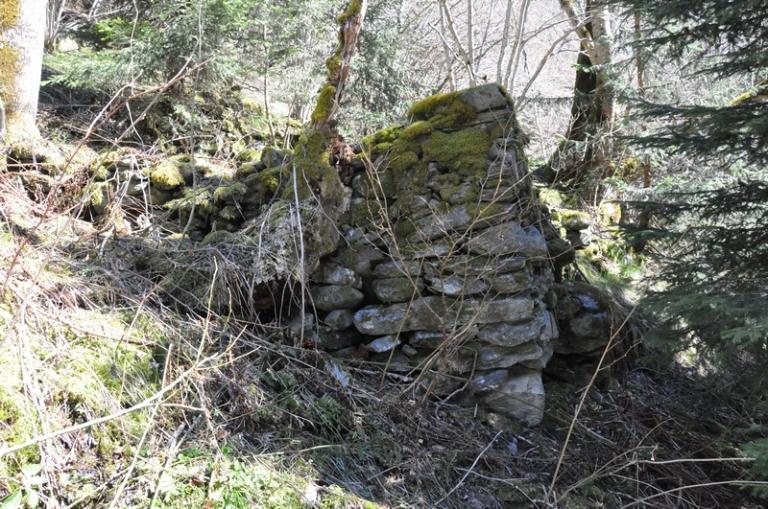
<point>316,177</point>
<point>22,34</point>
<point>581,159</point>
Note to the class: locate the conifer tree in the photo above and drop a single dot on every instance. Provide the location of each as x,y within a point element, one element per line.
<point>715,240</point>
<point>711,239</point>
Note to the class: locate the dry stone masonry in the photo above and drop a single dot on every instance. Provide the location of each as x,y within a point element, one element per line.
<point>444,268</point>
<point>447,261</point>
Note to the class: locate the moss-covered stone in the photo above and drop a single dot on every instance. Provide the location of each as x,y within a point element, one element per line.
<point>230,213</point>
<point>274,156</point>
<point>609,213</point>
<point>550,197</point>
<point>246,169</point>
<point>418,128</point>
<point>443,110</point>
<point>217,237</point>
<point>464,151</point>
<point>249,155</point>
<point>380,141</point>
<point>230,192</point>
<point>199,200</point>
<point>270,180</point>
<point>97,195</point>
<point>572,219</point>
<point>403,161</point>
<point>465,192</point>
<point>167,175</point>
<point>315,175</point>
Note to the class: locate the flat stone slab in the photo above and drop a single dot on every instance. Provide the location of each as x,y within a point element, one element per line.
<point>397,289</point>
<point>509,238</point>
<point>493,357</point>
<point>440,224</point>
<point>339,319</point>
<point>457,286</point>
<point>437,313</point>
<point>543,327</point>
<point>329,298</point>
<point>396,268</point>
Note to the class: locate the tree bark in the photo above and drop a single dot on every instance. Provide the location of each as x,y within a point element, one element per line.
<point>22,35</point>
<point>312,152</point>
<point>581,158</point>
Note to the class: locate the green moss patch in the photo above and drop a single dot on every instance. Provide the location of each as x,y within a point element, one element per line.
<point>233,192</point>
<point>352,10</point>
<point>167,175</point>
<point>324,104</point>
<point>464,152</point>
<point>418,128</point>
<point>443,110</point>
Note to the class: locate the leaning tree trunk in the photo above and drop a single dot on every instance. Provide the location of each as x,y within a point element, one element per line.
<point>316,177</point>
<point>22,35</point>
<point>581,160</point>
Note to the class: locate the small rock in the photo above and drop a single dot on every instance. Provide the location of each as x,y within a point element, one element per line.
<point>397,289</point>
<point>478,265</point>
<point>301,321</point>
<point>521,396</point>
<point>335,274</point>
<point>440,224</point>
<point>339,319</point>
<point>331,341</point>
<point>397,268</point>
<point>579,239</point>
<point>466,192</point>
<point>383,344</point>
<point>591,325</point>
<point>329,298</point>
<point>428,340</point>
<point>542,327</point>
<point>456,286</point>
<point>361,257</point>
<point>513,282</point>
<point>485,97</point>
<point>493,357</point>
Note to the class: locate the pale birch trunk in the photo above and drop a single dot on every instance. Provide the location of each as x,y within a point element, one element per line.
<point>22,35</point>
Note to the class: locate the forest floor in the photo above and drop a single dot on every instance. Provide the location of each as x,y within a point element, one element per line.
<point>120,390</point>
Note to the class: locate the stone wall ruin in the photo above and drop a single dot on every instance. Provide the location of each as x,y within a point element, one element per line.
<point>443,266</point>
